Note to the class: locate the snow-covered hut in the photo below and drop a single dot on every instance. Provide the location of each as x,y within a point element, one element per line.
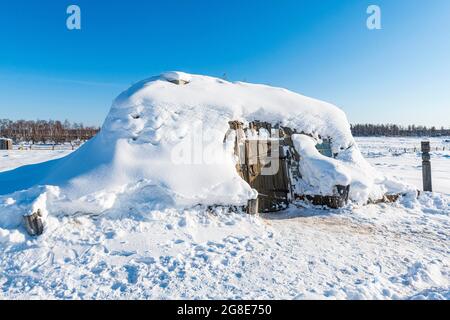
<point>179,140</point>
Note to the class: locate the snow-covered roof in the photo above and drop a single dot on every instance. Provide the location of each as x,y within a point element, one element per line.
<point>207,98</point>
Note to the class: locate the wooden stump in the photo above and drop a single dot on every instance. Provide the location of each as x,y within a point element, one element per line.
<point>252,207</point>
<point>336,201</point>
<point>34,224</point>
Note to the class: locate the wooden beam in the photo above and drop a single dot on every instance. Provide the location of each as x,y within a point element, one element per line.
<point>34,224</point>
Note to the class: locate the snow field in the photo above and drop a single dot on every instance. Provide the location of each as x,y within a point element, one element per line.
<point>386,251</point>
<point>394,251</point>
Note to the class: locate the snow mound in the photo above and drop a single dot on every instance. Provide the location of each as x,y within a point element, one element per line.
<point>162,146</point>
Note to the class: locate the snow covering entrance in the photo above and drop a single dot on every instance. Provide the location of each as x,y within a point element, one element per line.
<point>162,146</point>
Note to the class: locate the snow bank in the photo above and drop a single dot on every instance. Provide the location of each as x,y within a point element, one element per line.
<point>319,173</point>
<point>162,144</point>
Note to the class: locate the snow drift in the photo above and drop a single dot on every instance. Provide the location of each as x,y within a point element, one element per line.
<point>162,145</point>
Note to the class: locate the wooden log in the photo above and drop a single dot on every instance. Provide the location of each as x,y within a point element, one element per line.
<point>178,81</point>
<point>387,198</point>
<point>253,206</point>
<point>34,224</point>
<point>235,125</point>
<point>336,201</point>
<point>343,193</point>
<point>332,202</point>
<point>426,167</point>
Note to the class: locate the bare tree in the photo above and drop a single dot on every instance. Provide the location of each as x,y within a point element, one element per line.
<point>394,130</point>
<point>43,131</point>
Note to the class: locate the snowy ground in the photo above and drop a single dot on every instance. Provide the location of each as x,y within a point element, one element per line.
<point>10,160</point>
<point>387,251</point>
<point>388,155</point>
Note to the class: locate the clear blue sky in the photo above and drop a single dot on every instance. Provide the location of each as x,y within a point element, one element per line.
<point>320,48</point>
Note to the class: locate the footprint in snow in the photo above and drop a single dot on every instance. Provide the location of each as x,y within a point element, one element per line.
<point>146,260</point>
<point>110,235</point>
<point>123,253</point>
<point>119,286</point>
<point>182,223</point>
<point>133,274</point>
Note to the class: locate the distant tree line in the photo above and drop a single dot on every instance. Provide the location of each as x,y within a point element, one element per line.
<point>45,131</point>
<point>54,131</point>
<point>393,130</point>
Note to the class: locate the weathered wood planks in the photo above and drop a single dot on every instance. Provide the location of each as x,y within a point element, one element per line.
<point>33,224</point>
<point>426,166</point>
<point>271,165</point>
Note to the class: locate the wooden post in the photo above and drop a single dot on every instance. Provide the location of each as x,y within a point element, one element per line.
<point>252,206</point>
<point>34,224</point>
<point>426,166</point>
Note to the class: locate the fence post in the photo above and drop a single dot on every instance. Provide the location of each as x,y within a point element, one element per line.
<point>426,166</point>
<point>253,206</point>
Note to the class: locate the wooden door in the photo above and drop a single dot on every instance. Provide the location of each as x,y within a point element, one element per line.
<point>266,171</point>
